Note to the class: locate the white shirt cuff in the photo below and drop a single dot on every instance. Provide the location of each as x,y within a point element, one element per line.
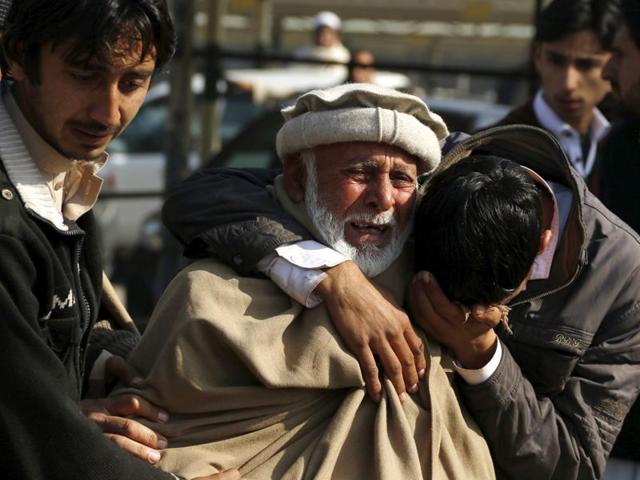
<point>296,269</point>
<point>480,375</point>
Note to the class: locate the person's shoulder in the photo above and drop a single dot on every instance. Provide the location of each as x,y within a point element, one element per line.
<point>626,129</point>
<point>13,216</point>
<point>522,114</point>
<point>613,234</point>
<point>207,291</point>
<point>207,275</point>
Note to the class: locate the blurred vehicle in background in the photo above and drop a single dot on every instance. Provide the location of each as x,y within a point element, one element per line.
<point>284,83</point>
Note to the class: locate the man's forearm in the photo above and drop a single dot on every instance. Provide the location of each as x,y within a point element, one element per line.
<point>531,435</point>
<point>230,213</point>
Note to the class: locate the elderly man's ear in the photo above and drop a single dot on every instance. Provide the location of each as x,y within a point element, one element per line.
<point>545,239</point>
<point>295,178</point>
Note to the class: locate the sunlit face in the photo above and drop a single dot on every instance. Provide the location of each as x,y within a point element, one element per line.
<point>623,70</point>
<point>570,70</point>
<point>80,109</point>
<point>326,36</point>
<point>361,198</point>
<point>364,72</point>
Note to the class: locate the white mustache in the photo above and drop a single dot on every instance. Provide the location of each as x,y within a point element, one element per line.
<point>387,218</point>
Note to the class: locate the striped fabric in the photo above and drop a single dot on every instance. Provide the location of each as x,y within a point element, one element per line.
<point>5,5</point>
<point>24,173</point>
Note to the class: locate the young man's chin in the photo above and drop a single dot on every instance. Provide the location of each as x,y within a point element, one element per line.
<point>84,152</point>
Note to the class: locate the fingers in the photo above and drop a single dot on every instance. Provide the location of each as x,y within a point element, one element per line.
<point>431,308</point>
<point>89,406</point>
<point>417,349</point>
<point>441,305</point>
<point>420,304</point>
<point>372,325</point>
<point>129,404</point>
<point>232,474</point>
<point>392,368</point>
<point>489,315</point>
<point>405,357</point>
<point>117,368</point>
<point>136,432</point>
<point>370,372</point>
<point>136,449</point>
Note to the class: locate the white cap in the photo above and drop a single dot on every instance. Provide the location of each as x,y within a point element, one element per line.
<point>361,112</point>
<point>327,19</point>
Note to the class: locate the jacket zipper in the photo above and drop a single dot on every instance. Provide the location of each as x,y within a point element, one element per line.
<point>85,309</point>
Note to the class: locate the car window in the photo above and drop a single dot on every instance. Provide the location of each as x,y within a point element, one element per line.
<point>254,145</point>
<point>148,132</point>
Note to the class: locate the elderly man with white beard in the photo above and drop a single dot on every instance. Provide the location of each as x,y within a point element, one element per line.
<point>255,379</point>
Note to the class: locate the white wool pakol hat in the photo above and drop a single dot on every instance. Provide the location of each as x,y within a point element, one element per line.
<point>360,112</point>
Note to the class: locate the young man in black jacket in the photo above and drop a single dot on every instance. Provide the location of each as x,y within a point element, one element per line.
<point>75,73</point>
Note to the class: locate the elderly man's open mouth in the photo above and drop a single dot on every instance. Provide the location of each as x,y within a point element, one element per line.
<point>368,232</point>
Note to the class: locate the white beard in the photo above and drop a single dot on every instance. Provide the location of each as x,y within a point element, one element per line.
<point>371,259</point>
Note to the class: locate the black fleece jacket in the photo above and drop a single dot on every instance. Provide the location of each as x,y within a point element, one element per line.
<point>50,284</point>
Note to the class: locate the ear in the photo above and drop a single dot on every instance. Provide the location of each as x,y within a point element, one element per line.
<point>16,72</point>
<point>295,178</point>
<point>545,238</point>
<point>15,68</point>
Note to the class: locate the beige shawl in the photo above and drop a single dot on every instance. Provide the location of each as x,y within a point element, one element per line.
<point>256,381</point>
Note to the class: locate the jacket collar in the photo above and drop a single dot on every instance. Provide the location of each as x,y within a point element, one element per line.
<point>27,176</point>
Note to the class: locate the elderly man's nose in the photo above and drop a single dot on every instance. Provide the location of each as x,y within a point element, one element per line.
<point>380,194</point>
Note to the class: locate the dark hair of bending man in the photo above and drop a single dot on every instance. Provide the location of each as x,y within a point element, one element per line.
<point>480,223</point>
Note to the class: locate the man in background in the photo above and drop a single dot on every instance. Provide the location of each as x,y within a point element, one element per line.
<point>327,40</point>
<point>571,45</point>
<point>618,189</point>
<point>621,152</point>
<point>363,69</point>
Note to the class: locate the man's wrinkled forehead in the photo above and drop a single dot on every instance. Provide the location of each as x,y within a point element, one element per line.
<point>368,153</point>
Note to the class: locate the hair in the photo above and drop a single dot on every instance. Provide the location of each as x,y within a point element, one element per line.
<point>563,17</point>
<point>477,228</point>
<point>631,18</point>
<point>95,27</point>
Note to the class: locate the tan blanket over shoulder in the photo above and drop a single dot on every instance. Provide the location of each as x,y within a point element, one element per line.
<point>253,380</point>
